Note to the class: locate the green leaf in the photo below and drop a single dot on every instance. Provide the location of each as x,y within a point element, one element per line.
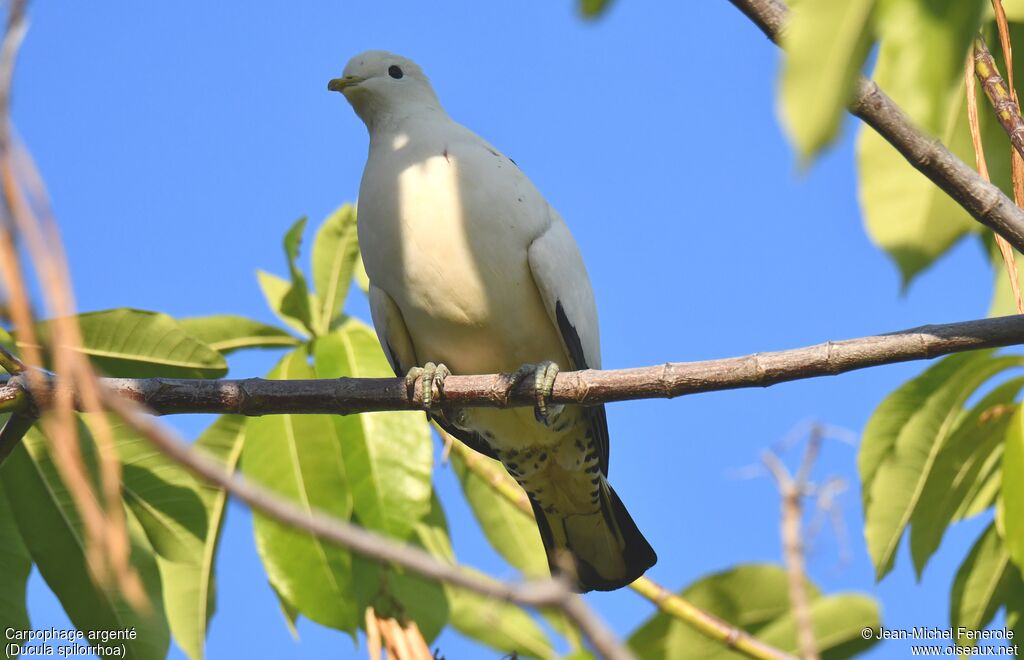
<point>388,455</point>
<point>984,582</point>
<point>274,290</point>
<point>291,615</point>
<point>940,30</point>
<point>163,496</point>
<point>920,65</point>
<point>361,278</point>
<point>296,300</point>
<point>957,468</point>
<point>135,343</point>
<point>1015,610</point>
<point>1012,493</point>
<point>755,597</point>
<point>395,593</point>
<point>13,428</point>
<point>826,43</point>
<point>335,251</point>
<point>593,8</point>
<point>510,531</point>
<point>903,438</point>
<point>1014,12</point>
<point>189,586</point>
<point>227,333</point>
<point>54,534</point>
<point>838,622</point>
<point>17,564</point>
<point>301,458</point>
<point>502,626</point>
<point>983,493</point>
<point>1003,302</point>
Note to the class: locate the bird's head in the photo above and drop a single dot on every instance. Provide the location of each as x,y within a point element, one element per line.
<point>378,82</point>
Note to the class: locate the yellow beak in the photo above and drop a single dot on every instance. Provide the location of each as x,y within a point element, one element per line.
<point>339,84</point>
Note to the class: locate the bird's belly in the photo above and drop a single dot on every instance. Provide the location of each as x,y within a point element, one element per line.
<point>550,462</point>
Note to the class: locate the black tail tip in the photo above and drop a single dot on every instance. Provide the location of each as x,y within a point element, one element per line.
<point>638,555</point>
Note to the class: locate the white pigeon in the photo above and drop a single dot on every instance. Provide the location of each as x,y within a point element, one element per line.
<point>472,272</point>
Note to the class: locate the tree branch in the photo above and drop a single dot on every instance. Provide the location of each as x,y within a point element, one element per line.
<point>255,396</point>
<point>984,201</point>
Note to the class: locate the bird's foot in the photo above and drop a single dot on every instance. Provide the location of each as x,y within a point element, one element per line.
<point>432,374</point>
<point>543,384</point>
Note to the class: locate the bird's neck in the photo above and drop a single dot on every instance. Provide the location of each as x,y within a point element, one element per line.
<point>387,122</point>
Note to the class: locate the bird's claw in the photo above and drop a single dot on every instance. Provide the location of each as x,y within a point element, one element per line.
<point>544,374</point>
<point>432,374</point>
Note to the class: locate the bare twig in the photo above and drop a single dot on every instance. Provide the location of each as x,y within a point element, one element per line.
<point>676,606</point>
<point>826,504</point>
<point>983,201</point>
<point>546,593</point>
<point>255,396</point>
<point>793,490</point>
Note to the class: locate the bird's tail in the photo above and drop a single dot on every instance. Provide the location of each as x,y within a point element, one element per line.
<point>603,550</point>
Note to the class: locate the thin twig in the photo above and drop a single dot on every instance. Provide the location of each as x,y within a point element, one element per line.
<point>255,396</point>
<point>793,490</point>
<point>675,606</point>
<point>983,201</point>
<point>545,593</point>
<point>826,504</point>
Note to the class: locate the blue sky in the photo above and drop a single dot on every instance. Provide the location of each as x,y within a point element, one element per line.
<point>179,141</point>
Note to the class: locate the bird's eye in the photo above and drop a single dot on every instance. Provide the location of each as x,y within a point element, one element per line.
<point>395,71</point>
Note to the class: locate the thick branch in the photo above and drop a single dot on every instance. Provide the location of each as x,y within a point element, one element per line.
<point>984,201</point>
<point>255,396</point>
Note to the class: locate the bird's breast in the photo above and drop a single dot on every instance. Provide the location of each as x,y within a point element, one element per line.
<point>445,232</point>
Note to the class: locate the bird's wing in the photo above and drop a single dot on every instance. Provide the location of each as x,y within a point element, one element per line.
<point>398,347</point>
<point>561,277</point>
<point>391,331</point>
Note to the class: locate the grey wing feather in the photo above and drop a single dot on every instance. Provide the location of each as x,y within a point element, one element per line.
<point>561,277</point>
